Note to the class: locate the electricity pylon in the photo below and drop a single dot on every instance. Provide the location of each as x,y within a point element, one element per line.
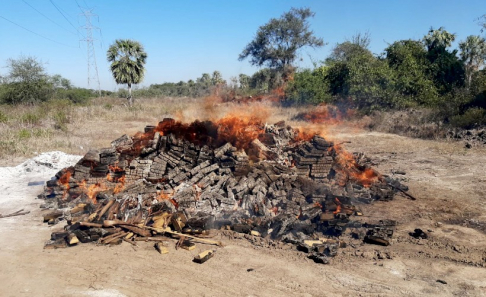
<point>93,77</point>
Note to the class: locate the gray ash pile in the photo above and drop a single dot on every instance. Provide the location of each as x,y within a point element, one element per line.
<point>272,180</point>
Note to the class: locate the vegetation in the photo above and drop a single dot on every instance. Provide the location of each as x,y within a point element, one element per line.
<point>277,43</point>
<point>28,83</point>
<point>409,73</point>
<point>127,58</point>
<point>426,74</point>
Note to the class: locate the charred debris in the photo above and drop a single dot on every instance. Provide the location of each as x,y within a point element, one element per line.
<point>183,180</point>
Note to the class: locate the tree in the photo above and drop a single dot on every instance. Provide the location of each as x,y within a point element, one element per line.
<point>445,68</point>
<point>482,22</point>
<point>217,78</point>
<point>244,81</point>
<point>438,38</point>
<point>25,69</point>
<point>473,54</point>
<point>355,74</point>
<point>127,58</point>
<point>277,43</point>
<point>408,59</point>
<point>309,86</point>
<point>26,82</point>
<point>60,82</point>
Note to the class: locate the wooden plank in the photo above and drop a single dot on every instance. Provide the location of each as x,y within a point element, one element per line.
<point>204,256</point>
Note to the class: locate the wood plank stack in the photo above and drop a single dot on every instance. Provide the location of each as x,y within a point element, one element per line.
<point>277,186</point>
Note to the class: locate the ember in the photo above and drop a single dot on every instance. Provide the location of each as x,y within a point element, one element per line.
<point>271,180</point>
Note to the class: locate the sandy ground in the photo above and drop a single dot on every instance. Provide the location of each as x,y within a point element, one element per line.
<point>448,181</point>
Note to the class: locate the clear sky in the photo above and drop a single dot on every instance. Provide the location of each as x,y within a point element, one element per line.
<point>184,39</point>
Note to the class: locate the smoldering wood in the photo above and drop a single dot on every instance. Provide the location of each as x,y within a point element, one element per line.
<point>278,186</point>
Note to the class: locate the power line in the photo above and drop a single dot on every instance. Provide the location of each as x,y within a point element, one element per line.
<point>35,32</point>
<point>47,17</point>
<point>65,17</point>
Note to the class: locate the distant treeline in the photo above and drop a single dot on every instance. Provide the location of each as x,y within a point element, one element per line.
<point>407,74</point>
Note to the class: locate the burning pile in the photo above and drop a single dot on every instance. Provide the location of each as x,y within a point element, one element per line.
<point>272,180</point>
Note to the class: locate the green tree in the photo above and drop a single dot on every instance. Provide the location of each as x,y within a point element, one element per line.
<point>127,58</point>
<point>473,54</point>
<point>60,82</point>
<point>355,74</point>
<point>309,86</point>
<point>438,38</point>
<point>217,78</point>
<point>26,82</point>
<point>244,81</point>
<point>277,43</point>
<point>203,84</point>
<point>445,67</point>
<point>408,59</point>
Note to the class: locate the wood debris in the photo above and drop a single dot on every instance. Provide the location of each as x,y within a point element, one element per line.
<point>181,180</point>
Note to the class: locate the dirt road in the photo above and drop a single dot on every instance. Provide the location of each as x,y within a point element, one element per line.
<point>448,181</point>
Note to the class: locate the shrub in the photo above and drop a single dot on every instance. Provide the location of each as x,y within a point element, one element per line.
<point>75,95</point>
<point>309,87</point>
<point>24,134</point>
<point>26,92</point>
<point>31,118</point>
<point>3,117</point>
<point>471,118</point>
<point>61,120</point>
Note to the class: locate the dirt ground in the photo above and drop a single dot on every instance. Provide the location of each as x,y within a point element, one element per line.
<point>448,181</point>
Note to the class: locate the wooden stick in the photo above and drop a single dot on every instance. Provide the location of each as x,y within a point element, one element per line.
<point>403,192</point>
<point>17,213</point>
<point>105,209</point>
<point>218,243</point>
<point>150,239</point>
<point>110,238</point>
<point>88,224</point>
<point>130,242</point>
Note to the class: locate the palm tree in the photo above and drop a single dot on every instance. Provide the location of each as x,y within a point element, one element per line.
<point>127,58</point>
<point>438,38</point>
<point>473,54</point>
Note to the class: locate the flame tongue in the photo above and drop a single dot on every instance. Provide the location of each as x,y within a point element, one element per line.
<point>239,131</point>
<point>338,207</point>
<point>349,167</point>
<point>64,180</point>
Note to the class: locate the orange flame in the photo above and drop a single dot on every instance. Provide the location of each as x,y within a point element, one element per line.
<point>338,208</point>
<point>64,180</point>
<point>167,196</point>
<point>348,165</point>
<point>92,190</point>
<point>120,185</point>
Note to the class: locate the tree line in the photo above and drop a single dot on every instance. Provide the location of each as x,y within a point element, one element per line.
<point>27,82</point>
<point>407,73</point>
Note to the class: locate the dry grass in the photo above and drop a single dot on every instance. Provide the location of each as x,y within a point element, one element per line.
<point>27,130</point>
<point>58,125</point>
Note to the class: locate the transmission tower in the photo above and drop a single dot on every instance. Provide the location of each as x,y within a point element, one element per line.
<point>93,77</point>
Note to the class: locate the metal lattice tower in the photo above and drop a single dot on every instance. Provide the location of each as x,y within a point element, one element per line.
<point>93,77</point>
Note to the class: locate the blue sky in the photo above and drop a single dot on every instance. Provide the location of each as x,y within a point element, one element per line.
<point>184,39</point>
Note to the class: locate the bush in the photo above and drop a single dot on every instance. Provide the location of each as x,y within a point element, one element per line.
<point>61,120</point>
<point>309,87</point>
<point>471,118</point>
<point>75,95</point>
<point>31,118</point>
<point>26,92</point>
<point>3,117</point>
